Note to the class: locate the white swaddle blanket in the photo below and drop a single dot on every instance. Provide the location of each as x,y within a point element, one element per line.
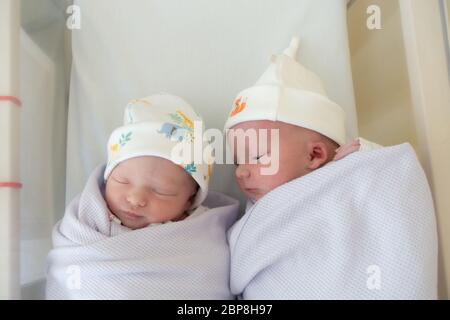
<point>359,228</point>
<point>96,259</point>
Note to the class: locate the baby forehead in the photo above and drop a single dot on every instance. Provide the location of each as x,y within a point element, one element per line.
<point>258,124</point>
<point>151,168</point>
<point>267,126</point>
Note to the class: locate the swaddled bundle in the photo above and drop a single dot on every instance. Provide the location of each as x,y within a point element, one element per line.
<point>141,228</point>
<point>360,228</point>
<point>95,258</point>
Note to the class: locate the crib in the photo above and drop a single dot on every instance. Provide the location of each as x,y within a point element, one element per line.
<point>59,101</point>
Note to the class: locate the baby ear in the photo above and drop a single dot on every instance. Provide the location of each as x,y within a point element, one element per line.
<point>317,155</point>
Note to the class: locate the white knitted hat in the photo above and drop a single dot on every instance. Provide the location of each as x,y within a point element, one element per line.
<point>290,93</point>
<point>153,126</point>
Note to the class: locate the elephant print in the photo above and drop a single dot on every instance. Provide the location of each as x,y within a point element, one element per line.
<point>173,131</point>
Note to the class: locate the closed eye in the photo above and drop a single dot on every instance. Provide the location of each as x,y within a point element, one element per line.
<point>164,193</point>
<point>120,181</point>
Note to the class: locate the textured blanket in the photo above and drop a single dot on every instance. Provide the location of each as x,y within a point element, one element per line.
<point>359,228</point>
<point>94,258</point>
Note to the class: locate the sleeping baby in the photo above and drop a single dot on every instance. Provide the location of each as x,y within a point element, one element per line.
<point>362,227</point>
<point>143,227</point>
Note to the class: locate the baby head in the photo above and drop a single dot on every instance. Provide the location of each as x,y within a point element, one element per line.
<point>299,151</point>
<point>145,182</point>
<point>288,100</point>
<point>144,190</point>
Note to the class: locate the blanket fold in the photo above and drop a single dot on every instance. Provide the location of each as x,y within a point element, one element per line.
<point>359,228</point>
<point>94,258</point>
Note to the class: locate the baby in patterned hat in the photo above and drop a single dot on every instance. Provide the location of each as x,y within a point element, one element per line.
<point>145,184</point>
<point>143,228</point>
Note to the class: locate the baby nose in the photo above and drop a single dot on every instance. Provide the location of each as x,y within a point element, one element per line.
<point>137,199</point>
<point>242,172</point>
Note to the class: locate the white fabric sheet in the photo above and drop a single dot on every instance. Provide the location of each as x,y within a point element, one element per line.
<point>204,51</point>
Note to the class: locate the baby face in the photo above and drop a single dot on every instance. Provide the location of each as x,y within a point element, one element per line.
<point>300,151</point>
<point>145,190</point>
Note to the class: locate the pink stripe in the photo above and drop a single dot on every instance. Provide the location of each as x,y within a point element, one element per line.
<point>12,99</point>
<point>15,185</point>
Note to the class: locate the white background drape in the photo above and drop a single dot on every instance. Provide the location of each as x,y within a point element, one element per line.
<point>204,51</point>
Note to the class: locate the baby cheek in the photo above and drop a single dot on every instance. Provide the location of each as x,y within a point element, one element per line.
<point>163,210</point>
<point>270,182</point>
<point>185,203</point>
<point>112,199</point>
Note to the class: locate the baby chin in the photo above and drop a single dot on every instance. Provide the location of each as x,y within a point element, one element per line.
<point>253,194</point>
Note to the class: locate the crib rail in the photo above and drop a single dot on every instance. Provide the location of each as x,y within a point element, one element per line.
<point>9,154</point>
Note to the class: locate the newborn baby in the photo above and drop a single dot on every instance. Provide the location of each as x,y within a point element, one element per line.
<point>143,227</point>
<point>324,229</point>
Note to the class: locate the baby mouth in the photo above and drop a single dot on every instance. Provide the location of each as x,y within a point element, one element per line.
<point>254,193</point>
<point>131,215</point>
